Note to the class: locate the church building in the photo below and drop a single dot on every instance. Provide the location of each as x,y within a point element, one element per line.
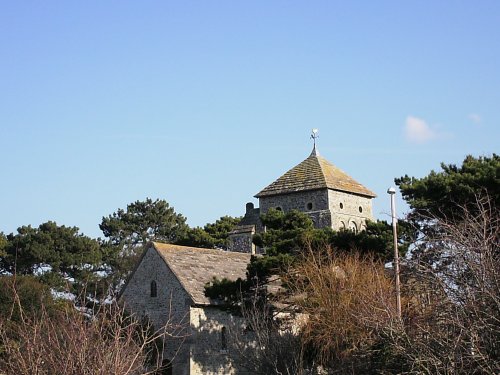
<point>315,186</point>
<point>167,288</point>
<point>168,284</point>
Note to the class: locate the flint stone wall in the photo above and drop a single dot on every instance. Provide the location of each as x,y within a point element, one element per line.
<point>209,355</point>
<point>172,302</point>
<point>349,216</point>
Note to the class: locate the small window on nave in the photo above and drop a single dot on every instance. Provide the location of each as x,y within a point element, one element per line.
<point>154,291</point>
<point>223,339</point>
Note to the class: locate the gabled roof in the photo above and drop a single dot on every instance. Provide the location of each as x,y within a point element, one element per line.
<point>194,267</point>
<point>314,173</point>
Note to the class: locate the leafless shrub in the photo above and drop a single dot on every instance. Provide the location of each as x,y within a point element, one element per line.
<point>347,299</point>
<point>268,343</point>
<point>329,318</point>
<point>453,315</point>
<point>71,342</point>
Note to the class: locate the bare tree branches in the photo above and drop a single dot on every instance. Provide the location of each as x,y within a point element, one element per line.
<point>347,299</point>
<point>454,327</point>
<point>269,344</point>
<point>70,342</point>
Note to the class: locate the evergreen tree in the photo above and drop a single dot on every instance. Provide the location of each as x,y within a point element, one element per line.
<point>212,235</point>
<point>445,193</point>
<point>128,231</point>
<point>144,221</point>
<point>58,255</point>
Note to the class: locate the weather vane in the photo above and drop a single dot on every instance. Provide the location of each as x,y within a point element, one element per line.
<point>314,136</point>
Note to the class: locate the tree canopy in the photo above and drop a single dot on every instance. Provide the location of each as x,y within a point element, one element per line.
<point>440,194</point>
<point>289,234</point>
<point>292,232</point>
<point>24,295</point>
<point>56,253</point>
<point>143,221</point>
<point>212,235</point>
<point>3,244</point>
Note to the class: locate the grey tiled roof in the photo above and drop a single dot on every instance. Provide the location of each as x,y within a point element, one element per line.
<point>194,267</point>
<point>313,173</point>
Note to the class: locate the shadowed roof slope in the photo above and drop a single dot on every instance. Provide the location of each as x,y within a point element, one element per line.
<point>194,267</point>
<point>313,173</point>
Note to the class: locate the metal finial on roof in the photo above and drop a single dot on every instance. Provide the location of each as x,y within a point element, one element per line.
<point>314,136</point>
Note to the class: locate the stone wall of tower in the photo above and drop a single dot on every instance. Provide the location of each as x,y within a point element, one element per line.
<point>312,200</point>
<point>349,211</point>
<point>327,208</point>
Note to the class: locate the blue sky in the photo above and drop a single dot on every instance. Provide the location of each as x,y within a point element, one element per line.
<point>204,103</point>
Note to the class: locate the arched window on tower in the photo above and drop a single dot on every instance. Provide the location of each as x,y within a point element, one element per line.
<point>353,226</point>
<point>154,290</point>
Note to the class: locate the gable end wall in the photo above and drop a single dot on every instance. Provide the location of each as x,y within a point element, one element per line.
<point>172,302</point>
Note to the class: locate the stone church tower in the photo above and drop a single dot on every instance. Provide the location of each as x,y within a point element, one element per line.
<point>315,186</point>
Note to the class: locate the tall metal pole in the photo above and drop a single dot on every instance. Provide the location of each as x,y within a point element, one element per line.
<point>392,192</point>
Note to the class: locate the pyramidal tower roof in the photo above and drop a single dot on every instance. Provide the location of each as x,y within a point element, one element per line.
<point>314,173</point>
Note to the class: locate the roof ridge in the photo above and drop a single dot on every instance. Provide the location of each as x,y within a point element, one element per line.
<point>171,247</point>
<point>323,173</point>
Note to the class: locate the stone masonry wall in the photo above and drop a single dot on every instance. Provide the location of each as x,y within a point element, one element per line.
<point>172,302</point>
<point>296,201</point>
<point>346,207</point>
<point>242,242</point>
<point>324,207</point>
<point>211,354</point>
<point>313,202</point>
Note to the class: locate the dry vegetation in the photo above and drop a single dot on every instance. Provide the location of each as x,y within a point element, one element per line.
<point>451,317</point>
<point>69,342</point>
<point>267,345</point>
<point>453,324</point>
<point>348,300</point>
<point>451,308</point>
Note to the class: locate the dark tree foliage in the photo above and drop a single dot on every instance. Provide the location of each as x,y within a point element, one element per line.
<point>284,238</point>
<point>56,253</point>
<point>129,230</point>
<point>441,194</point>
<point>285,232</point>
<point>144,221</point>
<point>225,289</point>
<point>260,268</point>
<point>3,244</point>
<point>376,240</point>
<point>197,237</point>
<point>288,234</point>
<point>219,230</point>
<point>26,295</point>
<point>212,235</point>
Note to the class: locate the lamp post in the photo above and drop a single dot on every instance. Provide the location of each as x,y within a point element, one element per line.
<point>392,192</point>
